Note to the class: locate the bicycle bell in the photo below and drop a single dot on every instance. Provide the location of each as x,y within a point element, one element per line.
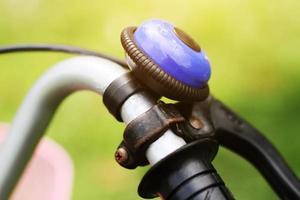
<point>167,60</point>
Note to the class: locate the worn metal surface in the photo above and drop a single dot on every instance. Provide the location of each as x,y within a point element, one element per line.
<point>198,124</point>
<point>145,129</point>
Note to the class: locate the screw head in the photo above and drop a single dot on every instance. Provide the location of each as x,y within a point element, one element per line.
<point>196,122</point>
<point>121,155</point>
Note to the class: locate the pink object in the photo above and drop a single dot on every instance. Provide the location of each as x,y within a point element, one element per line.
<point>49,174</point>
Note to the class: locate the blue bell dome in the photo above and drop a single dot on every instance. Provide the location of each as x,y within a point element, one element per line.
<point>174,52</point>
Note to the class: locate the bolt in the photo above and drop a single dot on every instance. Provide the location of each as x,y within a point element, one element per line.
<point>121,155</point>
<point>196,122</point>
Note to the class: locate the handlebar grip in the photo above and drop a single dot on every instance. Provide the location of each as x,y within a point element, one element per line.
<point>205,185</point>
<point>186,174</point>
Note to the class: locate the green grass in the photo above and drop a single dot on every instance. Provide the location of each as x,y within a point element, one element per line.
<point>253,48</point>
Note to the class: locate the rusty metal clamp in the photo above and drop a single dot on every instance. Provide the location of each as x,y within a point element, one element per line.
<point>143,131</point>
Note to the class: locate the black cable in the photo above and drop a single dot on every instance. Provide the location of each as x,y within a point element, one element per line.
<point>58,48</point>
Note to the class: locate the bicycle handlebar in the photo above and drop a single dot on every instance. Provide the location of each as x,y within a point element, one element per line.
<point>38,108</point>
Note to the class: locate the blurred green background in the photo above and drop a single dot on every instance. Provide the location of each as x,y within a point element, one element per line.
<point>253,48</point>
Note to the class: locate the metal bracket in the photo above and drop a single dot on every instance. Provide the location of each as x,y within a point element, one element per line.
<point>143,131</point>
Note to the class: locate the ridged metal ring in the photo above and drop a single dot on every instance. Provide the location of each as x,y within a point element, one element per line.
<point>151,75</point>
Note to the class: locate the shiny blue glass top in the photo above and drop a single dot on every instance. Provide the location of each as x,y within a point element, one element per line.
<point>158,40</point>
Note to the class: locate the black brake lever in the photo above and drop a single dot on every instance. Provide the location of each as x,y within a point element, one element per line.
<point>234,133</point>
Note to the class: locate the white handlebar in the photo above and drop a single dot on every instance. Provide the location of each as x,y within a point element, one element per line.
<point>36,111</point>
